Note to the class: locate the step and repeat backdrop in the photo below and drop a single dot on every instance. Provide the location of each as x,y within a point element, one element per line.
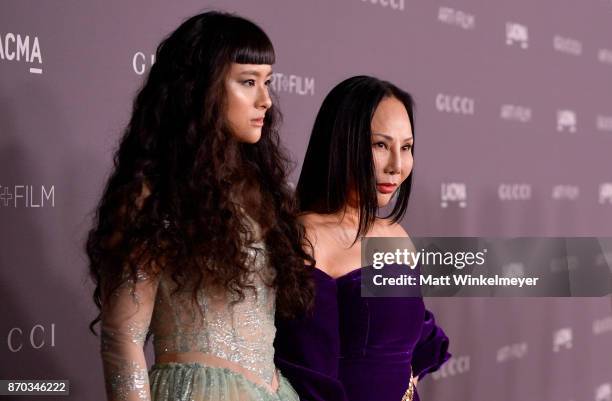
<point>513,138</point>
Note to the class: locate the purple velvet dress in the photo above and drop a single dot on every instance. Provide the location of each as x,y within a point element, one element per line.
<point>350,348</point>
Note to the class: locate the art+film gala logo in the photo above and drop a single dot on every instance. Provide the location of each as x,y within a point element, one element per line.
<point>28,196</point>
<point>453,193</point>
<point>20,48</point>
<point>397,5</point>
<point>517,34</point>
<point>295,84</point>
<point>38,336</point>
<point>511,112</point>
<point>456,18</point>
<point>565,192</point>
<point>512,352</point>
<point>567,45</point>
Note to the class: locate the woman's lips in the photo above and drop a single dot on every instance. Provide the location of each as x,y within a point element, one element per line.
<point>386,188</point>
<point>258,122</point>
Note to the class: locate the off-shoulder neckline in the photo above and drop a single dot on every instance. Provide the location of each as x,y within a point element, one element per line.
<point>345,275</point>
<point>341,277</point>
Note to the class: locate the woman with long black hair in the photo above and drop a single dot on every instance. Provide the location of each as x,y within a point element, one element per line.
<point>195,239</point>
<point>359,157</point>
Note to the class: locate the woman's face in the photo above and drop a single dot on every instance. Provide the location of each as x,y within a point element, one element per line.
<point>391,147</point>
<point>246,86</point>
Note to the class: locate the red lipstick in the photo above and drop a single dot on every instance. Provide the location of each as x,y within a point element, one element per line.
<point>386,187</point>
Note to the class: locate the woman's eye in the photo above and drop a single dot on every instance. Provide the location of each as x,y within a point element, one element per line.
<point>268,82</point>
<point>249,82</point>
<point>380,145</point>
<point>407,147</point>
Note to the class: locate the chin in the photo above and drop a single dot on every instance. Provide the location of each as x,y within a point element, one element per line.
<point>383,200</point>
<point>250,137</point>
<point>253,139</point>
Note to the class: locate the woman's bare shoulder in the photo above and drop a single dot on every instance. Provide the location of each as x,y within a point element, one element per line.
<point>390,229</point>
<point>309,218</point>
<point>321,232</point>
<point>396,230</point>
<point>315,222</point>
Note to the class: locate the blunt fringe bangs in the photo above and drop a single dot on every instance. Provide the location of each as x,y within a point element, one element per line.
<point>238,39</point>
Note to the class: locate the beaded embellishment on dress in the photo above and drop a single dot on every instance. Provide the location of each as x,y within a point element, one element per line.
<point>233,337</point>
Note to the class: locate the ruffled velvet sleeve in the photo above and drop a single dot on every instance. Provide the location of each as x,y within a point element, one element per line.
<point>308,348</point>
<point>431,350</point>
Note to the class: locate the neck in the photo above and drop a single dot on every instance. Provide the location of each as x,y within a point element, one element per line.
<point>348,219</point>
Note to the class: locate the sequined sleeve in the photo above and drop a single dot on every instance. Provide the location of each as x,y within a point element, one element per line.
<point>126,316</point>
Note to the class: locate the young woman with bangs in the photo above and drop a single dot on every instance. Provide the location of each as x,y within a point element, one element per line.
<point>195,239</point>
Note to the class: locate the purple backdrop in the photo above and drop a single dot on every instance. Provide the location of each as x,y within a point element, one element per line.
<point>513,134</point>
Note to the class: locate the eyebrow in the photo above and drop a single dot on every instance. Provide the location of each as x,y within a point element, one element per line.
<point>254,73</point>
<point>391,138</point>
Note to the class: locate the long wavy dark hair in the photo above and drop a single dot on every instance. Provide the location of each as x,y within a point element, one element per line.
<point>176,199</point>
<point>339,156</point>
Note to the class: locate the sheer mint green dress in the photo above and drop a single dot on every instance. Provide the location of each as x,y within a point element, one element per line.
<point>224,353</point>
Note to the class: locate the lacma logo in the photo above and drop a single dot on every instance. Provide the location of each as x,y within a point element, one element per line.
<point>26,196</point>
<point>456,17</point>
<point>567,45</point>
<point>512,112</point>
<point>566,120</point>
<point>293,84</point>
<point>605,193</point>
<point>394,4</point>
<point>562,338</point>
<point>517,33</point>
<point>18,48</point>
<point>454,192</point>
<point>455,104</point>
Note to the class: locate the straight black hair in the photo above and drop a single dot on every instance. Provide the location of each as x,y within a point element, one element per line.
<point>339,155</point>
